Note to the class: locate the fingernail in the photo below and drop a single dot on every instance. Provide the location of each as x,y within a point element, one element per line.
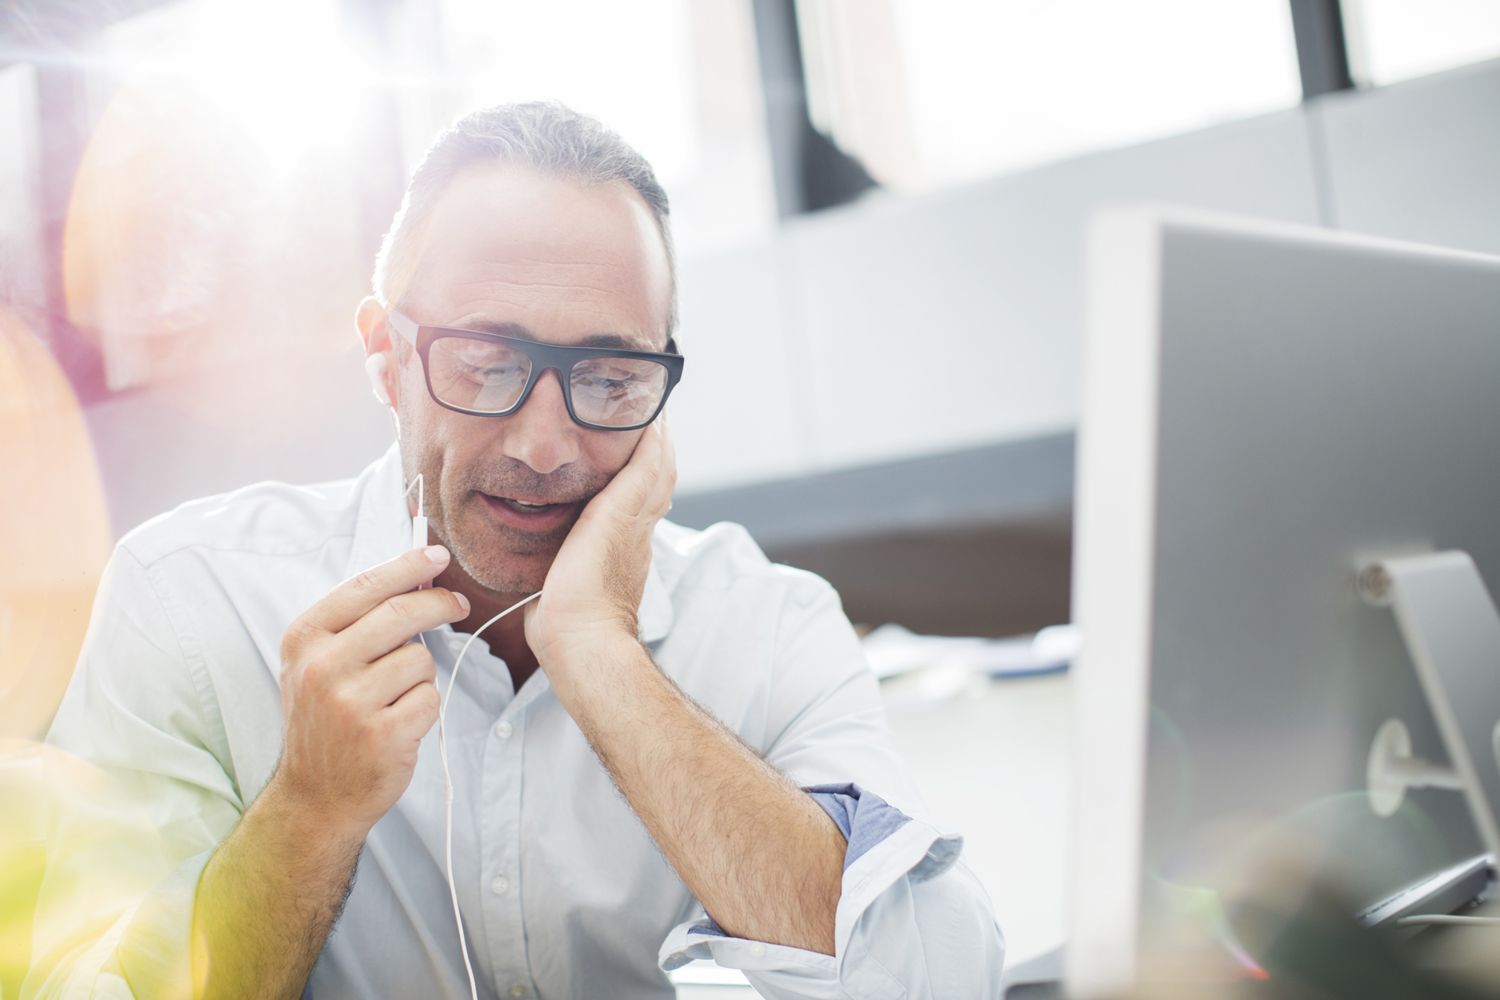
<point>437,554</point>
<point>463,602</point>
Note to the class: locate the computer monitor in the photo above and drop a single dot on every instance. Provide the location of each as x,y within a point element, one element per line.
<point>1269,410</point>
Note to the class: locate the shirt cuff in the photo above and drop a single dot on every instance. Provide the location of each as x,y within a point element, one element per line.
<point>884,845</point>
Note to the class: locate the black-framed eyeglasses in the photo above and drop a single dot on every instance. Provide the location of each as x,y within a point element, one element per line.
<point>492,375</point>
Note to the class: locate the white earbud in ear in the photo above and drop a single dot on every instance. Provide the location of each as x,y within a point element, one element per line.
<point>375,368</point>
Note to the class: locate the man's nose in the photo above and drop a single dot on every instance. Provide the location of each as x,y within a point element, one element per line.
<point>541,433</point>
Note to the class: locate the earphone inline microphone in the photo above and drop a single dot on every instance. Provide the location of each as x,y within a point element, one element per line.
<point>376,367</point>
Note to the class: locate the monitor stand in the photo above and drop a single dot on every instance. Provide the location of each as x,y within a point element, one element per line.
<point>1452,632</point>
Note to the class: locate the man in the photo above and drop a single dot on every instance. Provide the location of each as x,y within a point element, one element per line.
<point>631,753</point>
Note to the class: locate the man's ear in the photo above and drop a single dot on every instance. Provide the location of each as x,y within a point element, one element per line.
<point>375,334</point>
<point>370,322</point>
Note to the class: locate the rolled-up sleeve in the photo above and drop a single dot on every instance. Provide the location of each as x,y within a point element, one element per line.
<point>134,826</point>
<point>912,920</point>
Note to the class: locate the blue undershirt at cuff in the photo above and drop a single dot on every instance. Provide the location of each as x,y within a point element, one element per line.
<point>864,818</point>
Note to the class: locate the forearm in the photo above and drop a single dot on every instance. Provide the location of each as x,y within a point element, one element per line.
<point>764,860</point>
<point>267,900</point>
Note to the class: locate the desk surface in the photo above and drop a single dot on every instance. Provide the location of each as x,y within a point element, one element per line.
<point>995,764</point>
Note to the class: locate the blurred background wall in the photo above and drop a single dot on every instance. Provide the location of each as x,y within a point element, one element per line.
<point>880,205</point>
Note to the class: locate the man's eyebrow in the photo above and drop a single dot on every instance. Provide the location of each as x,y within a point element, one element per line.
<point>617,341</point>
<point>605,340</point>
<point>504,329</point>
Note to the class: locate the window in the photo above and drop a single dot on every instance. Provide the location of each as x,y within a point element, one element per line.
<point>1391,40</point>
<point>677,79</point>
<point>931,92</point>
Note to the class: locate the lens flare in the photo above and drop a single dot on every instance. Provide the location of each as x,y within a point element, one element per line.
<point>79,862</point>
<point>217,213</point>
<point>54,531</point>
<point>1204,909</point>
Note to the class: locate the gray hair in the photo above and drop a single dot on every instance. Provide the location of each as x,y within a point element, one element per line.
<point>544,135</point>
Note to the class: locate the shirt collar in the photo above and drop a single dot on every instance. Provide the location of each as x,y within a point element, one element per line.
<point>383,531</point>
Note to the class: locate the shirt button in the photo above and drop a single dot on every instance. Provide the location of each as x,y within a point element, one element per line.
<point>758,950</point>
<point>518,990</point>
<point>503,729</point>
<point>500,886</point>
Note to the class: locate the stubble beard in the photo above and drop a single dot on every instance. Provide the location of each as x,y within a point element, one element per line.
<point>502,560</point>
<point>499,558</point>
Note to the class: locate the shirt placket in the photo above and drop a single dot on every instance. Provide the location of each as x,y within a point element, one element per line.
<point>500,847</point>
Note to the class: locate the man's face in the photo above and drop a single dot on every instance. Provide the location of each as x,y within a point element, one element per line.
<point>508,250</point>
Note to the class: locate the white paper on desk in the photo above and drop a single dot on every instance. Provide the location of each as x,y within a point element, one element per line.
<point>893,650</point>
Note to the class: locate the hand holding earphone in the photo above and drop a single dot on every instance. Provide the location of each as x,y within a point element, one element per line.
<point>592,593</point>
<point>357,694</point>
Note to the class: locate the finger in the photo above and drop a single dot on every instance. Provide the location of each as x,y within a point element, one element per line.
<point>655,473</point>
<point>355,597</point>
<point>642,474</point>
<point>625,495</point>
<point>414,713</point>
<point>395,673</point>
<point>666,479</point>
<point>397,620</point>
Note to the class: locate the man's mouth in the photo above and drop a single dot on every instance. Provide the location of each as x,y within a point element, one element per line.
<point>530,514</point>
<point>524,507</point>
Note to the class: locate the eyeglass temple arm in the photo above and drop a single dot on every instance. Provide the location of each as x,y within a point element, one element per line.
<point>405,328</point>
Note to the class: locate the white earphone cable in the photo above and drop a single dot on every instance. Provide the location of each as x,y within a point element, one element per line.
<point>448,782</point>
<point>421,487</point>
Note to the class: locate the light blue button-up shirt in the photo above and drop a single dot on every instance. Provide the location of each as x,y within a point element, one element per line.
<point>563,892</point>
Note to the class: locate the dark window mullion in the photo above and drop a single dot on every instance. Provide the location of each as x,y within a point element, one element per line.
<point>1322,51</point>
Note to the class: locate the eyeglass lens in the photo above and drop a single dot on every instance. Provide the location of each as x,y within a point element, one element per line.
<point>489,377</point>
